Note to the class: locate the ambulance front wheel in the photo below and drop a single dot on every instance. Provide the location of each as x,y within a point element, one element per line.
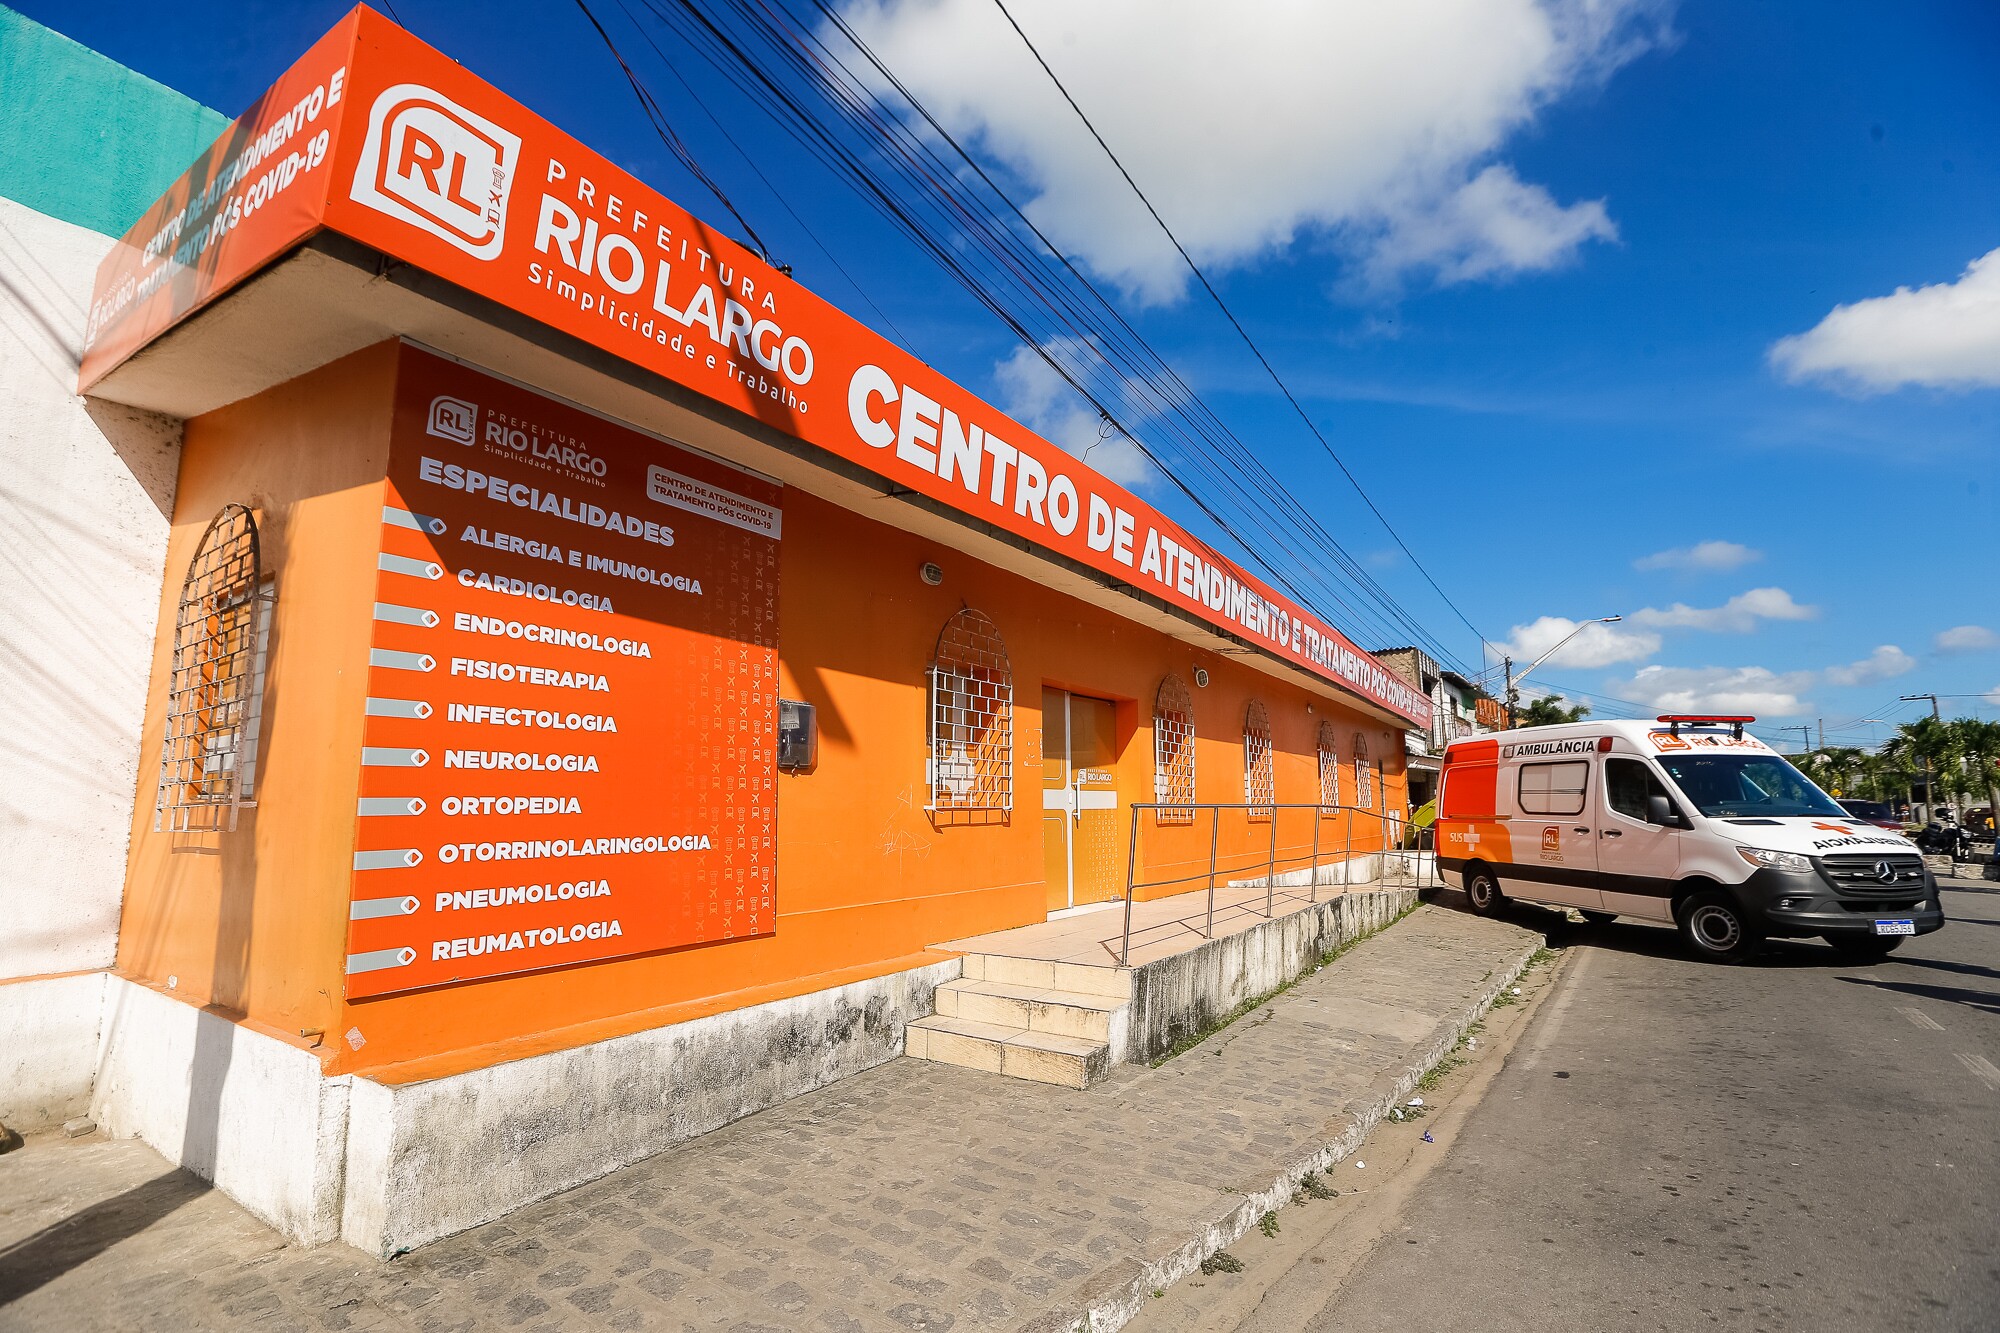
<point>1482,889</point>
<point>1716,929</point>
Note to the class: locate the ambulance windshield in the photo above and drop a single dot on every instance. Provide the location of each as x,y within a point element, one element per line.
<point>1733,785</point>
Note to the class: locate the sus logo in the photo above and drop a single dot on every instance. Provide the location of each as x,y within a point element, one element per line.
<point>1552,839</point>
<point>453,418</point>
<point>433,164</point>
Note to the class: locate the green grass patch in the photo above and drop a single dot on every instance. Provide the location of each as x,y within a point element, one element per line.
<point>1436,1074</point>
<point>1194,1039</point>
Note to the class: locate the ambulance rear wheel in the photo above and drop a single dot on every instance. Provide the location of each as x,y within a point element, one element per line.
<point>1482,889</point>
<point>1716,929</point>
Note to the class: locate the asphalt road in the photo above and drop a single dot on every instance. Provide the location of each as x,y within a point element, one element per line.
<point>1794,1144</point>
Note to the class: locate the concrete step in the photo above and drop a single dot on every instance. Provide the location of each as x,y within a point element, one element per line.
<point>1062,1012</point>
<point>1047,974</point>
<point>997,1048</point>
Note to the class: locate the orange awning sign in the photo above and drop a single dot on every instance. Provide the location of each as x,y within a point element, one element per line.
<point>380,138</point>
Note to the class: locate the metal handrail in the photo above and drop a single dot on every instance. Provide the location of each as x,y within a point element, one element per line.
<point>1386,819</point>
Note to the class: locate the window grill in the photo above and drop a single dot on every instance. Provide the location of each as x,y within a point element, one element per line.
<point>1173,751</point>
<point>1364,776</point>
<point>971,719</point>
<point>1329,765</point>
<point>208,755</point>
<point>1260,787</point>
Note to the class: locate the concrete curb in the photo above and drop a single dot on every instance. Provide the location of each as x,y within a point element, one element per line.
<point>1113,1308</point>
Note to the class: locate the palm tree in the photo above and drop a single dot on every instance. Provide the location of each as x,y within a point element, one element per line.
<point>1880,777</point>
<point>1978,745</point>
<point>1930,746</point>
<point>1548,711</point>
<point>1838,770</point>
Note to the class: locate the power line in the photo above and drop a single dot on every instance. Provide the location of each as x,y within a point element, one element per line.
<point>1024,291</point>
<point>1177,402</point>
<point>758,171</point>
<point>665,129</point>
<point>1235,323</point>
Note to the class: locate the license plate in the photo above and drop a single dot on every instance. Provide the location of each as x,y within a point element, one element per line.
<point>1895,927</point>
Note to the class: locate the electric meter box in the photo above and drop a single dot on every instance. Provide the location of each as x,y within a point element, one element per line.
<point>798,735</point>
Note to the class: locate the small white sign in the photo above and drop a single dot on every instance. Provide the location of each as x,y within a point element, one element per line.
<point>710,501</point>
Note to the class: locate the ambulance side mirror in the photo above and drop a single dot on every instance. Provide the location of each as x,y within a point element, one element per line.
<point>1660,810</point>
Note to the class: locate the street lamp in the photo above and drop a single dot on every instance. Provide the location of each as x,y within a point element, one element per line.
<point>1514,681</point>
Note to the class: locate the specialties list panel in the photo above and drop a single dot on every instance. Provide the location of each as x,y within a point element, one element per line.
<point>569,753</point>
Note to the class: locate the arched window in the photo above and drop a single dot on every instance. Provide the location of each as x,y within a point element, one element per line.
<point>1364,776</point>
<point>1173,751</point>
<point>215,687</point>
<point>1329,765</point>
<point>1259,785</point>
<point>971,718</point>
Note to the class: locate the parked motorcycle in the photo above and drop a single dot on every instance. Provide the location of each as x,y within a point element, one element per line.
<point>1945,839</point>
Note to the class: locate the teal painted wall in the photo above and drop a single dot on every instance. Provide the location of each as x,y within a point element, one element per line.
<point>83,138</point>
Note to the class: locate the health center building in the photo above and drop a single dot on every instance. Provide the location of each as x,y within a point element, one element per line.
<point>593,680</point>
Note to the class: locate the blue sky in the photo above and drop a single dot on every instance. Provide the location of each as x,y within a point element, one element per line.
<point>1532,264</point>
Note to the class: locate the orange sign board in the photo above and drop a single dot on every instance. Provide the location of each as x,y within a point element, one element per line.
<point>259,190</point>
<point>570,752</point>
<point>436,168</point>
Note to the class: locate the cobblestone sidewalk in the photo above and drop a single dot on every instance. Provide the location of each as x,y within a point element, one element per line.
<point>914,1197</point>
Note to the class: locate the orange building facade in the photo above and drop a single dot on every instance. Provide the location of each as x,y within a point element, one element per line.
<point>544,666</point>
<point>866,879</point>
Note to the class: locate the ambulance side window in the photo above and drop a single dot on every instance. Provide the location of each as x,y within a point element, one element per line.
<point>1554,789</point>
<point>1627,784</point>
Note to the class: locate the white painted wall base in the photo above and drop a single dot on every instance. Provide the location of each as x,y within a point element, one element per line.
<point>48,1048</point>
<point>247,1111</point>
<point>389,1168</point>
<point>429,1159</point>
<point>1181,996</point>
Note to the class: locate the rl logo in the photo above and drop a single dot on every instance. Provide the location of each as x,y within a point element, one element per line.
<point>431,163</point>
<point>1552,839</point>
<point>453,418</point>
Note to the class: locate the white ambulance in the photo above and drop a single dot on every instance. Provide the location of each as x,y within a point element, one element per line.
<point>1688,821</point>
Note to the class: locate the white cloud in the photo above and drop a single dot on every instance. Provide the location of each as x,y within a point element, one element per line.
<point>1251,125</point>
<point>1034,394</point>
<point>1596,646</point>
<point>1704,556</point>
<point>1754,690</point>
<point>1492,226</point>
<point>1966,639</point>
<point>1885,663</point>
<point>1739,615</point>
<point>1946,336</point>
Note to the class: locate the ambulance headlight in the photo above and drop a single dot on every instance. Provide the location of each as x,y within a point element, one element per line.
<point>1769,860</point>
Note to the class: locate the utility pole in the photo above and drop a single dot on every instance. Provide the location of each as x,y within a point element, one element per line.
<point>1930,789</point>
<point>1513,687</point>
<point>1805,736</point>
<point>1822,733</point>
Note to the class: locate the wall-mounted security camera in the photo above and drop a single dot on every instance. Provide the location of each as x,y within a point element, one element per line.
<point>931,573</point>
<point>1201,678</point>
